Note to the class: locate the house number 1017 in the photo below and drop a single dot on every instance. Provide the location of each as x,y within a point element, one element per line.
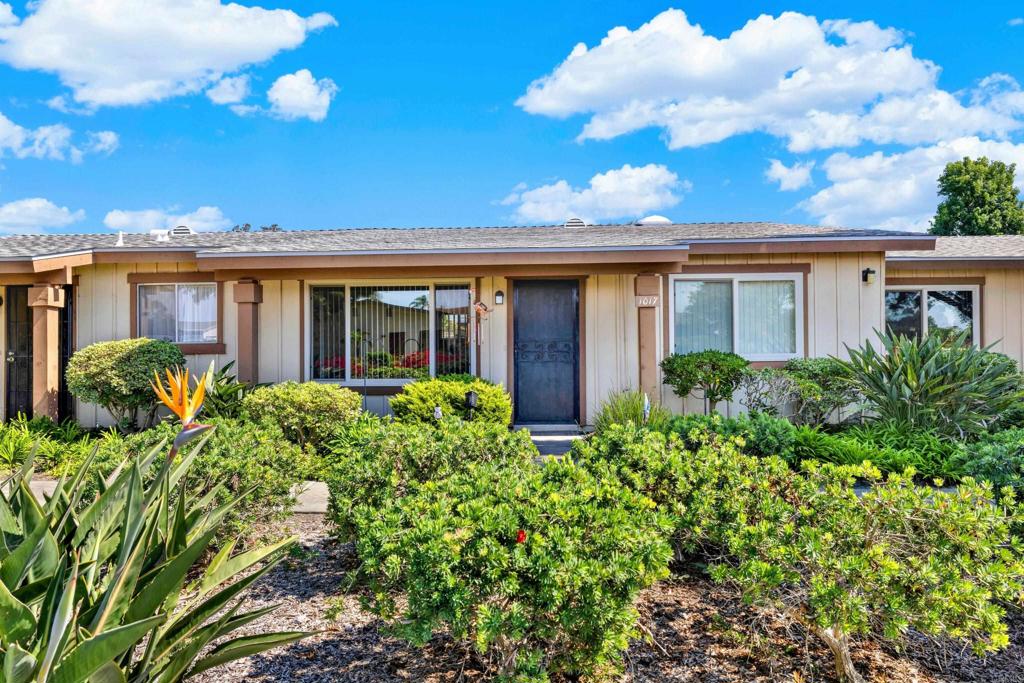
<point>646,301</point>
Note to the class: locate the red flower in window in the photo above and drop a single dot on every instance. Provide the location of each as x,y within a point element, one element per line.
<point>520,536</point>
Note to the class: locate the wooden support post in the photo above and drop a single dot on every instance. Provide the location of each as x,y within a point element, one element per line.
<point>248,297</point>
<point>46,302</point>
<point>647,289</point>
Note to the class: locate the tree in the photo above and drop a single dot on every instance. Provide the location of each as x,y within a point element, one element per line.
<point>979,199</point>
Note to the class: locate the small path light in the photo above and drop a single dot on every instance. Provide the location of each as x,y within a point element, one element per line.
<point>471,401</point>
<point>437,413</point>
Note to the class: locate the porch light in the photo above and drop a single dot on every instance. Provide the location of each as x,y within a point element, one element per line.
<point>499,298</point>
<point>867,276</point>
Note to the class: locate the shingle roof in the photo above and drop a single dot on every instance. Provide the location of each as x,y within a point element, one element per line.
<point>969,248</point>
<point>435,239</point>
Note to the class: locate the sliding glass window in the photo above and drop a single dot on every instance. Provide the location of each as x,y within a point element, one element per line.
<point>327,318</point>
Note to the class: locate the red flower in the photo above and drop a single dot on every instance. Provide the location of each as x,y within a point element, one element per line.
<point>520,536</point>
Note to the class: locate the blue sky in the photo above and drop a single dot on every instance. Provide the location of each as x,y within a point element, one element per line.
<point>413,114</point>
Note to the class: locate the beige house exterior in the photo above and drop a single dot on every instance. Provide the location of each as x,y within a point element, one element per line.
<point>813,291</point>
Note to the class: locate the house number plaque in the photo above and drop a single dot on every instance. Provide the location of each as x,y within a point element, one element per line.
<point>650,301</point>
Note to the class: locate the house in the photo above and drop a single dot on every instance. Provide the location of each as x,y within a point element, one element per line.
<point>562,315</point>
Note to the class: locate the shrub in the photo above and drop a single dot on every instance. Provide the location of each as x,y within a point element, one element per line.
<point>823,389</point>
<point>462,377</point>
<point>41,437</point>
<point>224,393</point>
<point>538,567</point>
<point>417,401</point>
<point>716,374</point>
<point>628,407</point>
<point>952,387</point>
<point>759,434</point>
<point>116,375</point>
<point>308,413</point>
<point>767,390</point>
<point>895,559</point>
<point>373,460</point>
<point>998,458</point>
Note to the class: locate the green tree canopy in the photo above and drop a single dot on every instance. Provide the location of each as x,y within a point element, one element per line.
<point>979,198</point>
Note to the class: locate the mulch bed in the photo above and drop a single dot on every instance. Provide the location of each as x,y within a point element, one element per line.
<point>699,632</point>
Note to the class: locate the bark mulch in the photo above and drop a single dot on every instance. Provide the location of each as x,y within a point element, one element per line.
<point>698,632</point>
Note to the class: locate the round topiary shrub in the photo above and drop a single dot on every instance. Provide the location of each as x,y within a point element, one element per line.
<point>116,375</point>
<point>308,412</point>
<point>417,401</point>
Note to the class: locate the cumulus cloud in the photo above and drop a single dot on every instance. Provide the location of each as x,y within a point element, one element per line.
<point>897,190</point>
<point>205,218</point>
<point>789,177</point>
<point>54,141</point>
<point>299,95</point>
<point>35,215</point>
<point>626,192</point>
<point>229,90</point>
<point>128,52</point>
<point>816,85</point>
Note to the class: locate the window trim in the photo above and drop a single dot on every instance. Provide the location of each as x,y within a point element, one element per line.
<point>394,383</point>
<point>188,348</point>
<point>797,278</point>
<point>975,290</point>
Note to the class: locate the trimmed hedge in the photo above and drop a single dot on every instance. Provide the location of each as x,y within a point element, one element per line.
<point>309,413</point>
<point>417,401</point>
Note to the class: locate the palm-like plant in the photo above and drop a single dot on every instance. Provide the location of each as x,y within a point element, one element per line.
<point>106,590</point>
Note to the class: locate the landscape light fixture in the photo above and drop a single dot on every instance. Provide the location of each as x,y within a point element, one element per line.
<point>471,401</point>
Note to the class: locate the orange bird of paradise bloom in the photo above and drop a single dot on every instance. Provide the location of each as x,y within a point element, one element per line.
<point>177,395</point>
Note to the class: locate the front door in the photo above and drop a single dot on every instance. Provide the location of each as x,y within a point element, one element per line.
<point>19,352</point>
<point>546,351</point>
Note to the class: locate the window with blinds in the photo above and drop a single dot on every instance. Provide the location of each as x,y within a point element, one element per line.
<point>180,313</point>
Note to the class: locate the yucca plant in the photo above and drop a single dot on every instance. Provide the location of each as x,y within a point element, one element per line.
<point>109,590</point>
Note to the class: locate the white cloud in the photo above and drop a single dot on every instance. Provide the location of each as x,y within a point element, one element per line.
<point>126,52</point>
<point>626,192</point>
<point>1016,21</point>
<point>35,215</point>
<point>205,218</point>
<point>815,84</point>
<point>299,95</point>
<point>7,17</point>
<point>50,142</point>
<point>789,177</point>
<point>898,190</point>
<point>229,90</point>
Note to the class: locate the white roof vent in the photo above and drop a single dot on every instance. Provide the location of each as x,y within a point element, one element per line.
<point>159,235</point>
<point>181,231</point>
<point>654,220</point>
<point>575,223</point>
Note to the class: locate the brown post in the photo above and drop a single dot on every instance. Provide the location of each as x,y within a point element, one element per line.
<point>647,289</point>
<point>46,302</point>
<point>248,297</point>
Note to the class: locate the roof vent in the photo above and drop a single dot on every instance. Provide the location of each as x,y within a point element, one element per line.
<point>181,231</point>
<point>575,223</point>
<point>159,235</point>
<point>654,220</point>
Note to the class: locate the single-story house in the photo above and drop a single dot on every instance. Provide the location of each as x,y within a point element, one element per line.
<point>561,315</point>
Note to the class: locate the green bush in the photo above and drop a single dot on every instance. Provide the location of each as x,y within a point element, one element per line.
<point>116,375</point>
<point>373,460</point>
<point>998,458</point>
<point>538,567</point>
<point>462,377</point>
<point>716,374</point>
<point>224,393</point>
<point>896,559</point>
<point>309,413</point>
<point>949,386</point>
<point>823,389</point>
<point>628,406</point>
<point>768,390</point>
<point>759,434</point>
<point>417,401</point>
<point>48,440</point>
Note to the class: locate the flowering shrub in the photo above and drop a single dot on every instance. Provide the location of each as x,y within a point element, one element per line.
<point>417,401</point>
<point>374,460</point>
<point>308,413</point>
<point>538,567</point>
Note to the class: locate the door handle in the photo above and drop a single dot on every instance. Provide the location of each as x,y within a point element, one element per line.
<point>10,357</point>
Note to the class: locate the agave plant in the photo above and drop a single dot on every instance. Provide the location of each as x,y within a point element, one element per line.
<point>110,589</point>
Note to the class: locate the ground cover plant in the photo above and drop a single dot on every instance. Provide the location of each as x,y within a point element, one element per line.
<point>418,400</point>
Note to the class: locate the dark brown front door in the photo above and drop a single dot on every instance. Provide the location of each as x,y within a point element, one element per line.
<point>546,351</point>
<point>19,352</point>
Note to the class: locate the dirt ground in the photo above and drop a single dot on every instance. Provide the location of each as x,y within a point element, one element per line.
<point>698,632</point>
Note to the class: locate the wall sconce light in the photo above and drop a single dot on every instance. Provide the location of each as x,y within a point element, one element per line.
<point>499,298</point>
<point>867,276</point>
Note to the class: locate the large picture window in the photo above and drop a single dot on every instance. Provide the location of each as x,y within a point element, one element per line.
<point>920,311</point>
<point>180,313</point>
<point>393,333</point>
<point>755,316</point>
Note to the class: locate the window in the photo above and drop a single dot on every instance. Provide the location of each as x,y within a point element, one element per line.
<point>180,313</point>
<point>754,316</point>
<point>389,333</point>
<point>919,311</point>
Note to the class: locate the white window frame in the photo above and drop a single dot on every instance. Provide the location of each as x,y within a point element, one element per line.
<point>177,285</point>
<point>356,382</point>
<point>736,278</point>
<point>975,291</point>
